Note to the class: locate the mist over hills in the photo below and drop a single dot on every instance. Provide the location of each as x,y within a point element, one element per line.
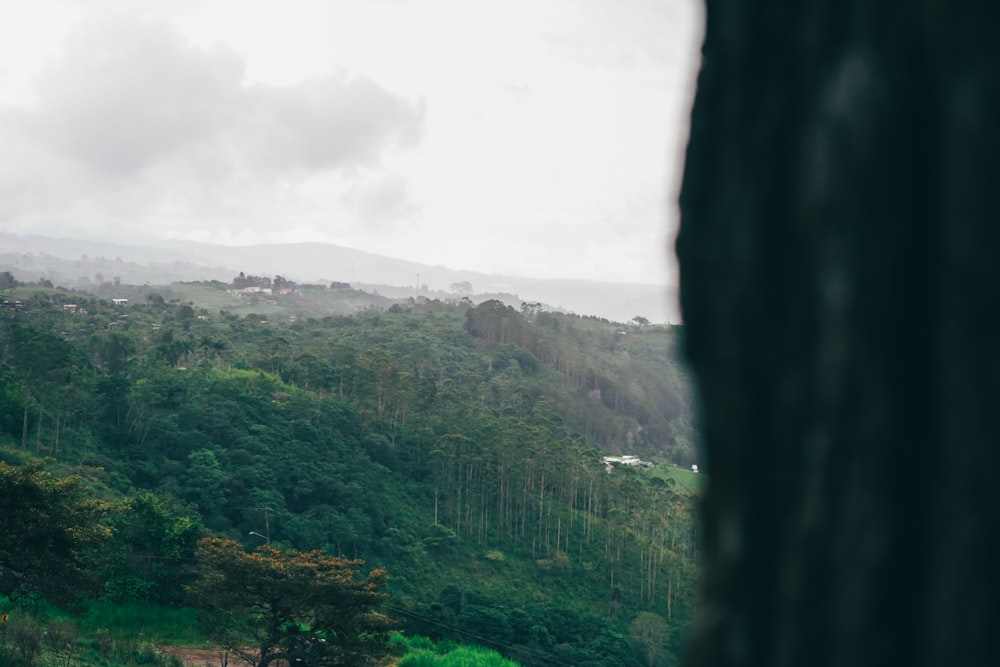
<point>78,263</point>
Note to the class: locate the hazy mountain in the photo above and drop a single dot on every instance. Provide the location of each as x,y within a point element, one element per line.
<point>75,262</point>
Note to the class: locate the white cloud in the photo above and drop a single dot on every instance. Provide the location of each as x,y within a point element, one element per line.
<point>127,94</point>
<point>133,124</point>
<point>526,137</point>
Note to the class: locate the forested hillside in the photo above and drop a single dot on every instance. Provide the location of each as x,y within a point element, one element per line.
<point>457,446</point>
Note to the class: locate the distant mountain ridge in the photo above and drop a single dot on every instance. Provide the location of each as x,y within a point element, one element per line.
<point>73,262</point>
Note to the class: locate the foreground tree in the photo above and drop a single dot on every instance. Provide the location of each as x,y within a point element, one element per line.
<point>839,281</point>
<point>302,607</point>
<point>48,532</point>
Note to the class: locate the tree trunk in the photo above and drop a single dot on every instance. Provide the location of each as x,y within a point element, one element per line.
<point>55,437</point>
<point>24,422</point>
<point>840,229</point>
<point>38,429</point>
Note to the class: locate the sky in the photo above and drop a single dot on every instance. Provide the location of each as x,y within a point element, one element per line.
<point>540,138</point>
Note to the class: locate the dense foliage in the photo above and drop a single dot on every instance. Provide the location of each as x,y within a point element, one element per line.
<point>457,446</point>
<point>47,532</point>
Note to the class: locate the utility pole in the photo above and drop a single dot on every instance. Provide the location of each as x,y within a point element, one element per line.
<point>267,524</point>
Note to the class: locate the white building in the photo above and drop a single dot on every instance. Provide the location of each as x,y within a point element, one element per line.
<point>627,460</point>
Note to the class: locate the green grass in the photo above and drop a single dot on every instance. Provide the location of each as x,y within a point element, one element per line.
<point>422,652</point>
<point>170,625</point>
<point>23,292</point>
<point>684,480</point>
<point>203,296</point>
<point>103,634</point>
<point>309,301</point>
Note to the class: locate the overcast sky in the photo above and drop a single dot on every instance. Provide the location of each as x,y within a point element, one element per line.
<point>529,137</point>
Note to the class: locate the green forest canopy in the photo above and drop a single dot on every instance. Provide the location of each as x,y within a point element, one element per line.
<point>457,446</point>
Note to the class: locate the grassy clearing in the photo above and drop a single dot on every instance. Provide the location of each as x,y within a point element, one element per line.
<point>104,634</point>
<point>685,480</point>
<point>173,626</point>
<point>422,652</point>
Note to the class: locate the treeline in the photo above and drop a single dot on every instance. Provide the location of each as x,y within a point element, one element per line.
<point>637,391</point>
<point>439,441</point>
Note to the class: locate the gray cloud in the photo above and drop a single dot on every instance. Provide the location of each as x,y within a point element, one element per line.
<point>380,202</point>
<point>128,94</point>
<point>330,122</point>
<point>132,119</point>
